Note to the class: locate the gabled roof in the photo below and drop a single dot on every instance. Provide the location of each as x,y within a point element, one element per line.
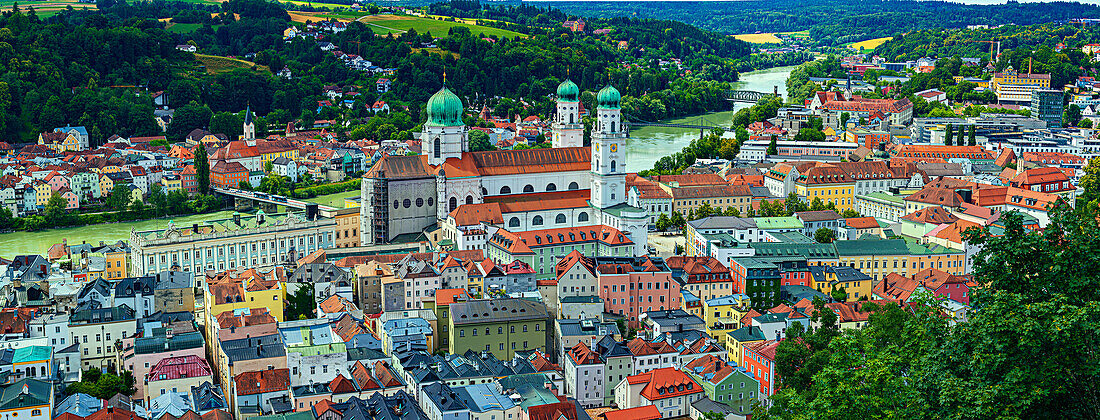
<point>264,381</point>
<point>665,383</point>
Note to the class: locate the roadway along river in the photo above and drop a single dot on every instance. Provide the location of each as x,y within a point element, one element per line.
<point>648,144</point>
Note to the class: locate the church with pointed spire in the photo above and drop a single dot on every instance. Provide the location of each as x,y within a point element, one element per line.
<point>466,199</point>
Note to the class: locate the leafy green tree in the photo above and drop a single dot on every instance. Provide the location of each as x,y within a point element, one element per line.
<point>158,199</point>
<point>119,198</point>
<point>825,236</point>
<point>1072,115</point>
<point>176,202</point>
<point>677,219</point>
<point>809,134</point>
<point>844,117</point>
<point>103,385</point>
<point>228,123</point>
<point>1085,123</point>
<point>479,141</point>
<point>187,118</point>
<point>202,170</point>
<point>301,304</point>
<point>663,222</point>
<point>971,140</point>
<point>773,146</point>
<point>947,135</point>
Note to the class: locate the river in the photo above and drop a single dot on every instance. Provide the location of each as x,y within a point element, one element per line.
<point>19,243</point>
<point>648,144</point>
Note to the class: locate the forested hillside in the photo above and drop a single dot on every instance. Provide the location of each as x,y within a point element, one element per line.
<point>834,22</point>
<point>515,75</point>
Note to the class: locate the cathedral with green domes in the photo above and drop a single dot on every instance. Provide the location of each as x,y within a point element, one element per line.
<point>464,198</point>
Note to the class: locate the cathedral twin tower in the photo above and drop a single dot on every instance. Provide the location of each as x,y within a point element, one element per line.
<point>446,136</point>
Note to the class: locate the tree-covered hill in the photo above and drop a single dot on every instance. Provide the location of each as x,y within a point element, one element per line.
<point>834,22</point>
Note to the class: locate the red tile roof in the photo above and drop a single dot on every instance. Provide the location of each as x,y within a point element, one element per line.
<point>269,380</point>
<point>933,215</point>
<point>645,412</point>
<point>861,222</point>
<point>665,383</point>
<point>1038,176</point>
<point>449,296</point>
<point>169,368</point>
<point>582,355</point>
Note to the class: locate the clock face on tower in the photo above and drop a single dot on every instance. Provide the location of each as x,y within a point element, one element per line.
<point>613,147</point>
<point>597,147</point>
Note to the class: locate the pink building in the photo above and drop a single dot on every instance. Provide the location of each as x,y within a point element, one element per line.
<point>631,286</point>
<point>176,374</point>
<point>72,200</point>
<point>57,181</point>
<point>141,354</point>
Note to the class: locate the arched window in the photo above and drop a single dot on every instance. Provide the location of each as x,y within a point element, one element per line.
<point>574,186</point>
<point>436,145</point>
<point>551,187</point>
<point>505,190</point>
<point>514,222</point>
<point>528,188</point>
<point>583,217</point>
<point>469,199</point>
<point>571,118</point>
<point>612,166</point>
<point>559,219</point>
<point>612,126</point>
<point>537,221</point>
<point>454,203</point>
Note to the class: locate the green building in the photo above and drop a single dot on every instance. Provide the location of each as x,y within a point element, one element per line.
<point>724,383</point>
<point>500,326</point>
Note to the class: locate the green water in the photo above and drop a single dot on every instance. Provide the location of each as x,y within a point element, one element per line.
<point>18,243</point>
<point>648,144</point>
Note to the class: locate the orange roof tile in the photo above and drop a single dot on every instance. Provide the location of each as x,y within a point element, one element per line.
<point>645,412</point>
<point>259,382</point>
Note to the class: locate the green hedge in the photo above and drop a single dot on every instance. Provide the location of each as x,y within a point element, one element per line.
<point>326,189</point>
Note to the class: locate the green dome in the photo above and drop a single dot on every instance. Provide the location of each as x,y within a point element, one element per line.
<point>608,98</point>
<point>568,91</point>
<point>445,109</point>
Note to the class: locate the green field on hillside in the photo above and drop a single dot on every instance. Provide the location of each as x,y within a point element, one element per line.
<point>384,24</point>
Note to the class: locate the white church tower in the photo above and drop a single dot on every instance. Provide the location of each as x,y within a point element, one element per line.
<point>608,154</point>
<point>445,135</point>
<point>249,125</point>
<point>608,192</point>
<point>568,130</point>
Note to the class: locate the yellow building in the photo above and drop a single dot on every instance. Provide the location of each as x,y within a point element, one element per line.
<point>347,228</point>
<point>171,183</point>
<point>723,314</point>
<point>105,185</point>
<point>737,338</point>
<point>42,193</point>
<point>851,281</point>
<point>230,291</point>
<point>829,184</point>
<point>980,82</point>
<point>878,258</point>
<point>59,142</point>
<point>118,263</point>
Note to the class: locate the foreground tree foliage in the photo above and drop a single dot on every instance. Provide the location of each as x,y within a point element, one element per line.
<point>1028,350</point>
